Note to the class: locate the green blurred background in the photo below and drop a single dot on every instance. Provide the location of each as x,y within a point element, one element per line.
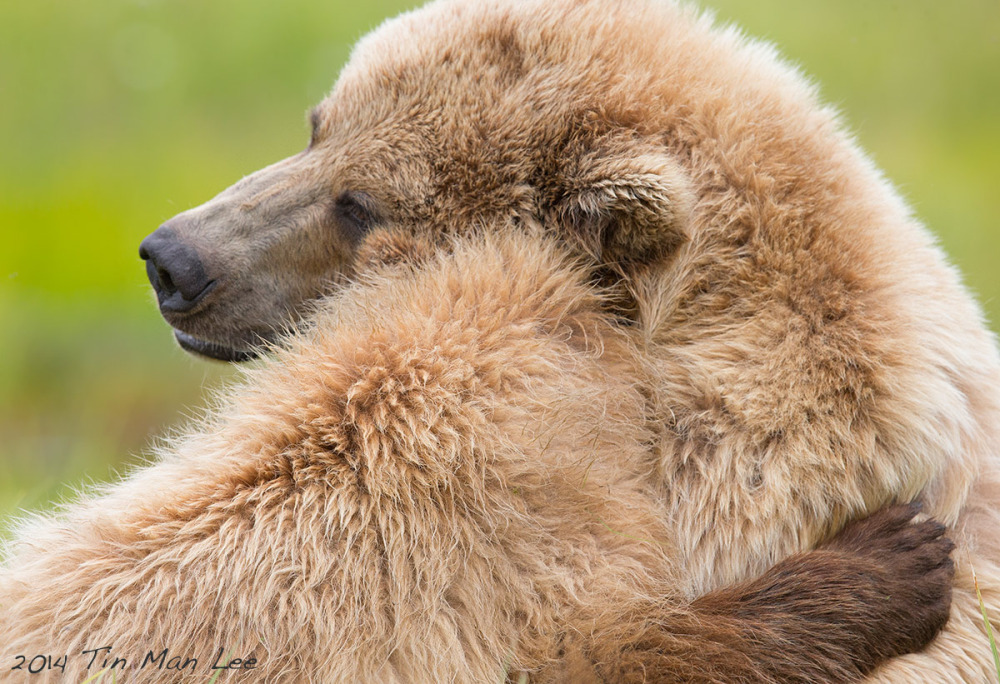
<point>117,114</point>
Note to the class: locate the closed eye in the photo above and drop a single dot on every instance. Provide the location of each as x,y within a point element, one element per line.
<point>355,212</point>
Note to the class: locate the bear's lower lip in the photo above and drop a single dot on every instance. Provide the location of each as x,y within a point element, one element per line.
<point>212,350</point>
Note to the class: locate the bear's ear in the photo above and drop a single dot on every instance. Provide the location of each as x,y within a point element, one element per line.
<point>624,199</point>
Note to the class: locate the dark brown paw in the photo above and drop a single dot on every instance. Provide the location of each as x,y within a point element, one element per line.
<point>908,568</point>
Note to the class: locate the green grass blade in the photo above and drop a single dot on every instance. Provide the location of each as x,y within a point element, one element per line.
<point>986,621</point>
<point>94,677</point>
<point>226,662</point>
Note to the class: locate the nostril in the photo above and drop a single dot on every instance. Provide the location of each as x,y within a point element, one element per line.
<point>166,282</point>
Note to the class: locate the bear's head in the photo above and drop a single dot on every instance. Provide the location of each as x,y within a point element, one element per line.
<point>458,116</point>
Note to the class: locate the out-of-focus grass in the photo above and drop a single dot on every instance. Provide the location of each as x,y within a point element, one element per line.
<point>116,114</point>
<point>919,83</point>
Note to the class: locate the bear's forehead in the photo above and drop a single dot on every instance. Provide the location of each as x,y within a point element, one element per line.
<point>504,64</point>
<point>491,52</point>
<point>497,88</point>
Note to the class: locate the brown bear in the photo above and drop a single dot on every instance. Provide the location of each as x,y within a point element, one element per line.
<point>447,478</point>
<point>810,355</point>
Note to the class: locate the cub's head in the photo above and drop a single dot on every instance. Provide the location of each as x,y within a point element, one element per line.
<point>460,115</point>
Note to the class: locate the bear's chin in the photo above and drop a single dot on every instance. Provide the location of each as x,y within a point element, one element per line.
<point>212,350</point>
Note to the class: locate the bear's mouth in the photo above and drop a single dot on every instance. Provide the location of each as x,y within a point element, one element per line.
<point>213,350</point>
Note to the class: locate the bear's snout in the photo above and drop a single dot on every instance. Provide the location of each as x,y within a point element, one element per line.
<point>175,270</point>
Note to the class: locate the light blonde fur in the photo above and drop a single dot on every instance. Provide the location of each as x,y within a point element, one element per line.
<point>448,478</point>
<point>806,354</point>
<point>811,353</point>
<point>416,491</point>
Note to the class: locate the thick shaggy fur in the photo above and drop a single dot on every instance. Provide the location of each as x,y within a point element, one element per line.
<point>808,354</point>
<point>447,480</point>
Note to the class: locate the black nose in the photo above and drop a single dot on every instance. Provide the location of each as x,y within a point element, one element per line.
<point>175,270</point>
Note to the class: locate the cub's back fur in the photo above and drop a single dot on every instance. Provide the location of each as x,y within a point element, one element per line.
<point>399,497</point>
<point>448,478</point>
